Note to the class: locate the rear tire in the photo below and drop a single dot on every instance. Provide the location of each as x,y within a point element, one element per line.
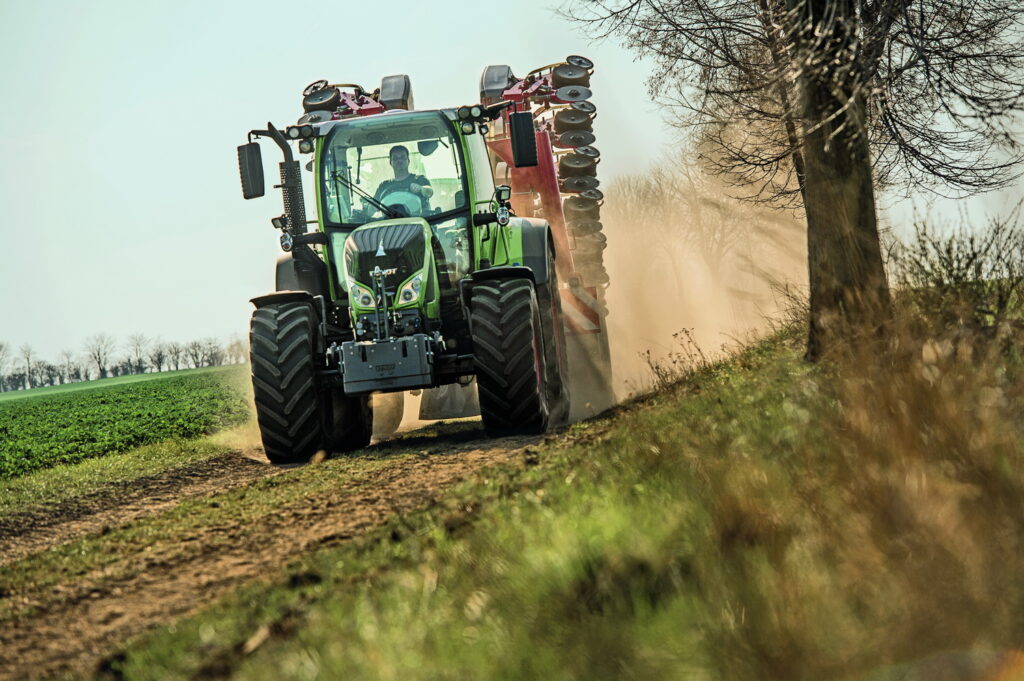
<point>509,358</point>
<point>549,300</point>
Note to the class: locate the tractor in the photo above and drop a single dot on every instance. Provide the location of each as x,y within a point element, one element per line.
<point>455,252</point>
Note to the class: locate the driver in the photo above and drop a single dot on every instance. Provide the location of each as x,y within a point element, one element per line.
<point>405,181</point>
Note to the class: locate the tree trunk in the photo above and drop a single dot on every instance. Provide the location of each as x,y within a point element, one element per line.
<point>849,294</point>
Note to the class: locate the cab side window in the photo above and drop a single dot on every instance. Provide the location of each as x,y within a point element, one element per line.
<point>483,180</point>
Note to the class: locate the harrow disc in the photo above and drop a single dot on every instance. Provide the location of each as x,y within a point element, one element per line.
<point>592,152</point>
<point>315,86</point>
<point>570,119</point>
<point>588,249</point>
<point>594,275</point>
<point>574,165</point>
<point>593,194</point>
<point>585,227</point>
<point>584,106</point>
<point>326,99</point>
<point>572,93</point>
<point>576,208</point>
<point>576,138</point>
<point>575,185</point>
<point>577,60</point>
<point>315,117</point>
<point>567,74</point>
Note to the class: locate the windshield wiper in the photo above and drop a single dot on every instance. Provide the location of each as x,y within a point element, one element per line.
<point>338,177</point>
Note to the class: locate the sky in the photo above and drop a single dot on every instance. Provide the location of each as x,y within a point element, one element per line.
<point>119,181</point>
<point>119,122</point>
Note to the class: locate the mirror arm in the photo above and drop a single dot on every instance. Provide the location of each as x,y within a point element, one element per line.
<point>276,135</point>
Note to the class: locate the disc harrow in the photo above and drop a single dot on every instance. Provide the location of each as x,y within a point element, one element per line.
<point>559,97</point>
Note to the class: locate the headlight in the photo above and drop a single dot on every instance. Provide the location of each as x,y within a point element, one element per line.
<point>360,295</point>
<point>411,289</point>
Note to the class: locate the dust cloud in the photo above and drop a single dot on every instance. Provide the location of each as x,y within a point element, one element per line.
<point>683,255</point>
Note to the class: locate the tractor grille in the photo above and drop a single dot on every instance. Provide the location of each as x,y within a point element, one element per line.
<point>404,249</point>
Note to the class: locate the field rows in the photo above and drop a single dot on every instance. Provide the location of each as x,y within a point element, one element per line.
<point>40,431</point>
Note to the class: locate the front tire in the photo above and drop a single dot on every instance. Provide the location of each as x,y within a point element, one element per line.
<point>509,358</point>
<point>296,416</point>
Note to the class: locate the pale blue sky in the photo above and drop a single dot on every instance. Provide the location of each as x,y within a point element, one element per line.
<point>119,122</point>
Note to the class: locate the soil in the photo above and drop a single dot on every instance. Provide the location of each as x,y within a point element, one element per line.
<point>73,627</point>
<point>120,503</point>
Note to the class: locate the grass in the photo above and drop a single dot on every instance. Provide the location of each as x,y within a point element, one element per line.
<point>65,426</point>
<point>762,519</point>
<point>50,486</point>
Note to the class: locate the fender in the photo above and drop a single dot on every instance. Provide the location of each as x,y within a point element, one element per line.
<point>536,242</point>
<point>504,272</point>
<point>285,297</point>
<point>301,270</point>
<point>316,304</point>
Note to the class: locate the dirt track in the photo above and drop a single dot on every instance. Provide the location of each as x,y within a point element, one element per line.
<point>74,626</point>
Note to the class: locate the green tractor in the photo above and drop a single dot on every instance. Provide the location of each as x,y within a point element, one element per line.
<point>417,276</point>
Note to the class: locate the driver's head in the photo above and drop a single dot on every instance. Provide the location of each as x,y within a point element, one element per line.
<point>399,157</point>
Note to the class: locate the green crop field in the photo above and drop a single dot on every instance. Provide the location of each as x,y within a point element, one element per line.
<point>64,426</point>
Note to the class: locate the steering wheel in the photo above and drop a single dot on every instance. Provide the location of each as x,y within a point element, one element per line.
<point>407,200</point>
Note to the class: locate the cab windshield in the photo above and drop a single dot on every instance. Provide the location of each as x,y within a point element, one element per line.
<point>364,174</point>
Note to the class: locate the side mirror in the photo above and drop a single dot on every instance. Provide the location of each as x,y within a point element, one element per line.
<point>250,167</point>
<point>524,139</point>
<point>503,193</point>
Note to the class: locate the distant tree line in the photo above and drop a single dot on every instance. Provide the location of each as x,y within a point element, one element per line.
<point>101,356</point>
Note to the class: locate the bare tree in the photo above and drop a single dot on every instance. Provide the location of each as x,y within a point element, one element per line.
<point>138,347</point>
<point>213,352</point>
<point>175,353</point>
<point>195,352</point>
<point>158,355</point>
<point>99,348</point>
<point>236,351</point>
<point>47,373</point>
<point>66,366</point>
<point>816,101</point>
<point>26,356</point>
<point>5,357</point>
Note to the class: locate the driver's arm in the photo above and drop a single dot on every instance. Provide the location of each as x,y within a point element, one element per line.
<point>423,187</point>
